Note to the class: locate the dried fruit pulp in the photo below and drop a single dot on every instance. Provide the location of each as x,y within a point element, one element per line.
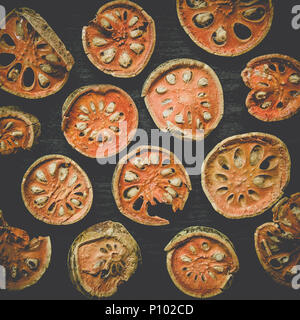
<point>25,260</point>
<point>56,190</point>
<point>184,96</point>
<point>121,39</point>
<point>201,262</point>
<point>146,176</point>
<point>275,83</point>
<point>277,253</point>
<point>101,258</point>
<point>226,27</point>
<point>33,61</point>
<point>99,121</point>
<point>245,175</point>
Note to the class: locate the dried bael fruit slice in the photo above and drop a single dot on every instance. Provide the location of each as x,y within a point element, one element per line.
<point>18,130</point>
<point>149,175</point>
<point>101,258</point>
<point>226,27</point>
<point>201,261</point>
<point>244,175</point>
<point>185,97</point>
<point>121,39</point>
<point>25,260</point>
<point>99,120</point>
<point>287,214</point>
<point>274,81</point>
<point>278,254</point>
<point>56,190</point>
<point>34,63</point>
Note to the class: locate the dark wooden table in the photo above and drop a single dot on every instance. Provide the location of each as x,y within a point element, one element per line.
<point>151,280</point>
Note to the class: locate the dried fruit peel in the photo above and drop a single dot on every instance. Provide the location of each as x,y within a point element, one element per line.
<point>221,27</point>
<point>121,39</point>
<point>185,97</point>
<point>274,80</point>
<point>18,130</point>
<point>99,120</point>
<point>25,259</point>
<point>201,261</point>
<point>142,172</point>
<point>107,241</point>
<point>56,190</point>
<point>244,175</point>
<point>35,48</point>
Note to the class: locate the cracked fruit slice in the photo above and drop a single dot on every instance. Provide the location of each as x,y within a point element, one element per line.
<point>34,63</point>
<point>120,40</point>
<point>245,175</point>
<point>99,121</point>
<point>201,261</point>
<point>274,81</point>
<point>56,190</point>
<point>102,258</point>
<point>149,175</point>
<point>18,130</point>
<point>278,253</point>
<point>25,260</point>
<point>226,27</point>
<point>287,214</point>
<point>185,97</point>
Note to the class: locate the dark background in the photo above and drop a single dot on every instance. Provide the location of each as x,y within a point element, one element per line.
<point>151,280</point>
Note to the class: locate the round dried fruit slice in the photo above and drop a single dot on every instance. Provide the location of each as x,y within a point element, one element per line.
<point>101,258</point>
<point>18,130</point>
<point>185,97</point>
<point>244,175</point>
<point>278,254</point>
<point>34,63</point>
<point>201,261</point>
<point>25,260</point>
<point>56,190</point>
<point>287,214</point>
<point>274,81</point>
<point>99,120</point>
<point>121,39</point>
<point>226,27</point>
<point>149,175</point>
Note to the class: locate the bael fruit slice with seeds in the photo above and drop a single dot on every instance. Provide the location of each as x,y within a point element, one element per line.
<point>185,97</point>
<point>278,253</point>
<point>18,130</point>
<point>149,175</point>
<point>201,261</point>
<point>121,39</point>
<point>274,81</point>
<point>25,260</point>
<point>101,258</point>
<point>34,63</point>
<point>226,27</point>
<point>56,190</point>
<point>99,120</point>
<point>246,174</point>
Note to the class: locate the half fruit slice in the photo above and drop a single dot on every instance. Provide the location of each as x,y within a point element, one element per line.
<point>244,175</point>
<point>101,258</point>
<point>274,81</point>
<point>149,175</point>
<point>18,130</point>
<point>226,27</point>
<point>25,260</point>
<point>121,39</point>
<point>99,121</point>
<point>185,97</point>
<point>34,63</point>
<point>201,261</point>
<point>56,190</point>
